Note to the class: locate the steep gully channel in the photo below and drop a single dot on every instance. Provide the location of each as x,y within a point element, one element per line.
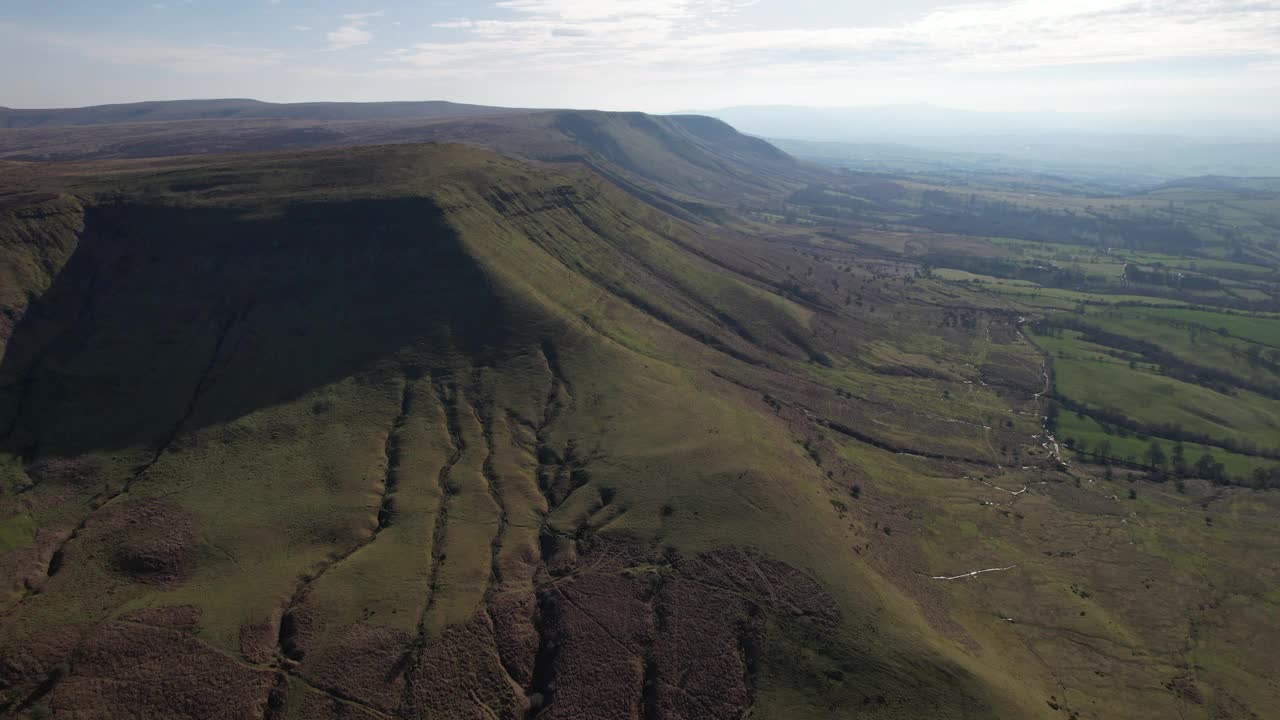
<point>446,391</point>
<point>559,391</point>
<point>289,655</point>
<point>553,468</point>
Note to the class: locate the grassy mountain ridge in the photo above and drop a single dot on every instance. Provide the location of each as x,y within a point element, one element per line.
<point>411,430</point>
<point>684,162</point>
<point>527,272</point>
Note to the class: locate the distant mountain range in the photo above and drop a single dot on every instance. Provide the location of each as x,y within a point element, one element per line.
<point>240,109</point>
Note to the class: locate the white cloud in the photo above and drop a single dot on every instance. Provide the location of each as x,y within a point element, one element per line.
<point>680,54</point>
<point>572,10</point>
<point>989,36</point>
<point>354,33</point>
<point>349,36</point>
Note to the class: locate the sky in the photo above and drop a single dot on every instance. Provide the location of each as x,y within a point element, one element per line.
<point>1151,56</point>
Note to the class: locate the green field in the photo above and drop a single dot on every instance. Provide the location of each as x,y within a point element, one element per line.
<point>1088,435</point>
<point>1085,375</point>
<point>1192,342</point>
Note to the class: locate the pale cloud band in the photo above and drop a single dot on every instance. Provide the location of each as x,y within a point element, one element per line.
<point>989,36</point>
<point>681,54</point>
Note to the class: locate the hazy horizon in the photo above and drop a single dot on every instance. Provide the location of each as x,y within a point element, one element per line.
<point>1191,60</point>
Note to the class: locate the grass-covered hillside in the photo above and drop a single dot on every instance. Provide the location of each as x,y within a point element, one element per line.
<point>658,426</point>
<point>687,160</point>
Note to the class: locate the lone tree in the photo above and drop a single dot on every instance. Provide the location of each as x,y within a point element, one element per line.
<point>1210,469</point>
<point>1155,456</point>
<point>1179,460</point>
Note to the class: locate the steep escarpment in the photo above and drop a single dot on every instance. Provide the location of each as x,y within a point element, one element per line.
<point>402,432</point>
<point>697,156</point>
<point>38,235</point>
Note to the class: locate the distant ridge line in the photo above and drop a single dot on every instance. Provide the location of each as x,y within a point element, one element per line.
<point>242,109</point>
